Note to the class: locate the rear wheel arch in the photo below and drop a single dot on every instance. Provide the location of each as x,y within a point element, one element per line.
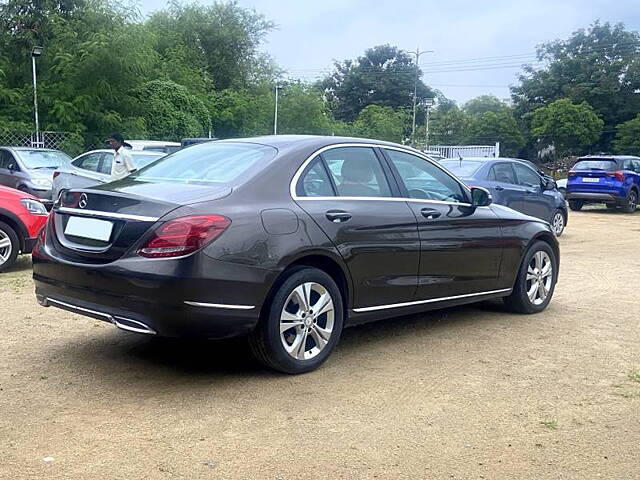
<point>322,262</point>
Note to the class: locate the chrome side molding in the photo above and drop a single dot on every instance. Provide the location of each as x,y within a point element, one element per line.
<point>220,305</point>
<point>431,300</point>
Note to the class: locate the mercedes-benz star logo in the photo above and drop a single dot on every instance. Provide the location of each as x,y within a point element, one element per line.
<point>83,201</point>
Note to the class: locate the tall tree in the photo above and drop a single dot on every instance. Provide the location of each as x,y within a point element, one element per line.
<point>383,76</point>
<point>599,65</point>
<point>382,123</point>
<point>627,140</point>
<point>570,128</point>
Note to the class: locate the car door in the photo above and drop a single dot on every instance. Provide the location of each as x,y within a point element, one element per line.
<point>504,187</point>
<point>461,246</point>
<point>8,176</point>
<point>535,202</point>
<point>84,172</point>
<point>346,190</point>
<point>105,167</point>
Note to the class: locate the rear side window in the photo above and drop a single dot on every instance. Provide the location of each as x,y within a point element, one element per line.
<point>357,172</point>
<point>596,164</point>
<point>502,172</point>
<point>89,162</point>
<point>210,163</point>
<point>315,181</point>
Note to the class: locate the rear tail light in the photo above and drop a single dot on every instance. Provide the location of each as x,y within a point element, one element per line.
<point>55,174</point>
<point>183,236</point>
<point>618,175</point>
<point>572,173</point>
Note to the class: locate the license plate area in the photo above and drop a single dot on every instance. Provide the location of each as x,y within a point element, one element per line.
<point>590,180</point>
<point>89,228</point>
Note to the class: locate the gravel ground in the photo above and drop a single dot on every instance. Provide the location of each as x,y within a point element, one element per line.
<point>464,393</point>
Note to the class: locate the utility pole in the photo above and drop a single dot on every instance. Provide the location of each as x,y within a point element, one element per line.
<point>35,52</point>
<point>417,53</point>
<point>275,113</point>
<point>428,103</point>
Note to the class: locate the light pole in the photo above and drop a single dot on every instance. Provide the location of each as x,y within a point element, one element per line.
<point>417,53</point>
<point>275,112</point>
<point>35,52</point>
<point>428,103</point>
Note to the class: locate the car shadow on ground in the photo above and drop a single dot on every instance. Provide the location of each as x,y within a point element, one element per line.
<point>23,263</point>
<point>151,357</point>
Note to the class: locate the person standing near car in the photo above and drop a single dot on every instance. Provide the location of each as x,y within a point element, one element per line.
<point>122,164</point>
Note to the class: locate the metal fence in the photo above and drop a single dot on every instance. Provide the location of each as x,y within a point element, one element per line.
<point>457,151</point>
<point>41,140</point>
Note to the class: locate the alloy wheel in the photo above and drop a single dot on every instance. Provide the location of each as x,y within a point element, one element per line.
<point>5,247</point>
<point>557,224</point>
<point>307,321</point>
<point>633,201</point>
<point>539,277</point>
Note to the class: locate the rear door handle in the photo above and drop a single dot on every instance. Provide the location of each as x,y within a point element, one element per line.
<point>430,213</point>
<point>338,216</point>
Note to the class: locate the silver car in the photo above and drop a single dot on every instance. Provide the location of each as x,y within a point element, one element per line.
<point>29,169</point>
<point>94,167</point>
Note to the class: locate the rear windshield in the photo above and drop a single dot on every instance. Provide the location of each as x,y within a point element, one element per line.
<point>36,159</point>
<point>208,163</point>
<point>596,164</point>
<point>461,168</point>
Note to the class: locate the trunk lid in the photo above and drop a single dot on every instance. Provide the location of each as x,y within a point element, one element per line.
<point>100,224</point>
<point>593,175</point>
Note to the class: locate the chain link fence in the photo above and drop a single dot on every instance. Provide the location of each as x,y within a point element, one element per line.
<point>71,143</point>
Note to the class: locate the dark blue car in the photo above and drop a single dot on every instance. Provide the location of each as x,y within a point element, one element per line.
<point>515,184</point>
<point>612,180</point>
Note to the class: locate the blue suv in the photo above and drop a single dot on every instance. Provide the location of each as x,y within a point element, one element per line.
<point>613,180</point>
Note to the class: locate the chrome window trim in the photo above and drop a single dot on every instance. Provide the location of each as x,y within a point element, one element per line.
<point>97,213</point>
<point>431,300</point>
<point>298,174</point>
<point>220,305</point>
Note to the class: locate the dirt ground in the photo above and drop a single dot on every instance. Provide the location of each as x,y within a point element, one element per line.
<point>465,393</point>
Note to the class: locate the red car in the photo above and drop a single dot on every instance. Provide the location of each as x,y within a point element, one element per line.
<point>22,216</point>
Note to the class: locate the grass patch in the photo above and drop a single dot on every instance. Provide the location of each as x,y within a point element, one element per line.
<point>634,375</point>
<point>550,424</point>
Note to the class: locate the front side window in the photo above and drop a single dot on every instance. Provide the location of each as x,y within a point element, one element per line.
<point>6,159</point>
<point>425,180</point>
<point>502,172</point>
<point>357,172</point>
<point>526,176</point>
<point>228,163</point>
<point>315,181</point>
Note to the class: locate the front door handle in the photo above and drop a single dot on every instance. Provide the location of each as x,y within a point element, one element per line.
<point>338,216</point>
<point>499,188</point>
<point>430,213</point>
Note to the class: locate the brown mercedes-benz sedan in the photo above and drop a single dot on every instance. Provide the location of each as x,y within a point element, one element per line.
<point>287,239</point>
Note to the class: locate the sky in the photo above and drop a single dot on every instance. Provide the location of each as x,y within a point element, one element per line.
<point>478,47</point>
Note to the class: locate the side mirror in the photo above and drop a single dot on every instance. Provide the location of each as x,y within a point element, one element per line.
<point>12,167</point>
<point>549,184</point>
<point>480,197</point>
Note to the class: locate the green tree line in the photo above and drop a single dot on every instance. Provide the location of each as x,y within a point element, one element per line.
<point>191,70</point>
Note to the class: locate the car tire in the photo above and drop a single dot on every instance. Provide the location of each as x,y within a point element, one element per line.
<point>576,205</point>
<point>11,246</point>
<point>631,202</point>
<point>310,338</point>
<point>528,295</point>
<point>558,222</point>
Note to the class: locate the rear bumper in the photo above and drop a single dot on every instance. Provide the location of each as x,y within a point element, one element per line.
<point>171,298</point>
<point>594,197</point>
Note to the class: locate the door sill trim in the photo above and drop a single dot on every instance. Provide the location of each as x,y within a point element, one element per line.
<point>431,300</point>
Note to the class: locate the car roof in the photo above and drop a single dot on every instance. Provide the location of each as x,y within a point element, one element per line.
<point>18,149</point>
<point>281,141</point>
<point>608,157</point>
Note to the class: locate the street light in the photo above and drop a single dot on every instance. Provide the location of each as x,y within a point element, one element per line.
<point>417,53</point>
<point>428,103</point>
<point>35,52</point>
